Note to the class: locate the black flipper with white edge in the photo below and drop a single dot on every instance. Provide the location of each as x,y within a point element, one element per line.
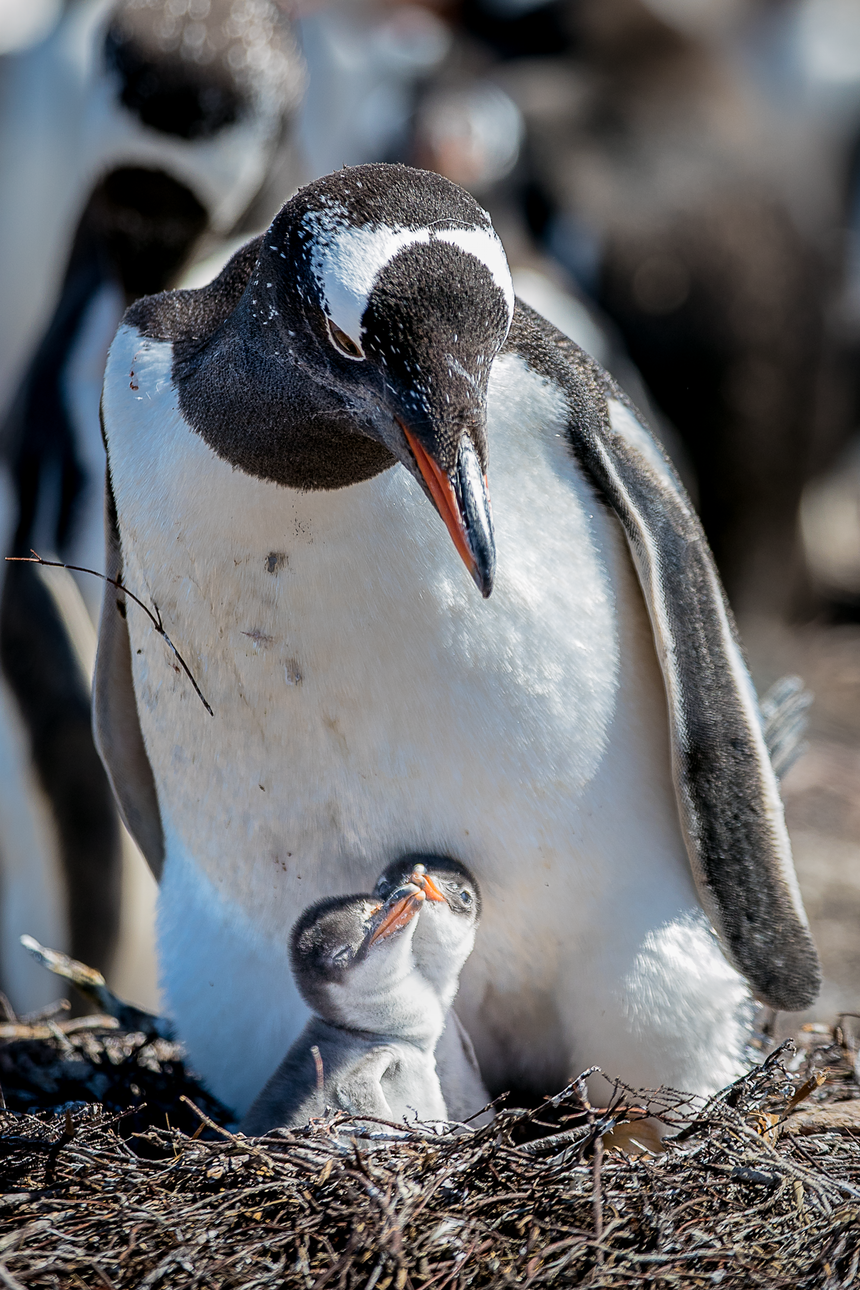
<point>731,813</point>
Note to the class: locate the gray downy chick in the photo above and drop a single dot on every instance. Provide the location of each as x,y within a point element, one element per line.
<point>376,1024</point>
<point>442,943</point>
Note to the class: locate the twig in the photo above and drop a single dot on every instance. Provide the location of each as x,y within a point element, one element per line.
<point>63,1141</point>
<point>425,1212</point>
<point>816,1183</point>
<point>154,618</point>
<point>246,1145</point>
<point>318,1063</point>
<point>8,1280</point>
<point>74,1026</point>
<point>42,1014</point>
<point>553,1141</point>
<point>596,1198</point>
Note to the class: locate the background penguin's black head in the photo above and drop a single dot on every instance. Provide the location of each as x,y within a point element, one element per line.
<point>191,71</point>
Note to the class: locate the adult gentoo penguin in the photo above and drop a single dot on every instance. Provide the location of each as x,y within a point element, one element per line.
<point>377,1016</point>
<point>586,739</point>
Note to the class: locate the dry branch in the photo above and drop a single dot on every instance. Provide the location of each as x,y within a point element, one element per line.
<point>168,1196</point>
<point>154,614</point>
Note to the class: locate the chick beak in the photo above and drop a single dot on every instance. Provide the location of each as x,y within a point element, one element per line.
<point>463,501</point>
<point>427,885</point>
<point>400,912</point>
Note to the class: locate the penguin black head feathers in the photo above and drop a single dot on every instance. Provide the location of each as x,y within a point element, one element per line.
<point>451,878</point>
<point>369,317</point>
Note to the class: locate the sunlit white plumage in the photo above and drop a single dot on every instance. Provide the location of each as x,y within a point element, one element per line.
<point>409,717</point>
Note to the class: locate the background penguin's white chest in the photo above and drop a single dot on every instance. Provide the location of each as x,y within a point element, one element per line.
<point>368,702</point>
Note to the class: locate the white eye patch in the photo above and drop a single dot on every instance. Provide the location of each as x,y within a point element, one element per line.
<point>346,262</point>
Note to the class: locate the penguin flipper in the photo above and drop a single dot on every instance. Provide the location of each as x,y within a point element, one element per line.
<point>731,814</point>
<point>115,721</point>
<point>358,1089</point>
<point>462,1085</point>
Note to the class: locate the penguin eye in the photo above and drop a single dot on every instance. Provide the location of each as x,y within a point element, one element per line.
<point>344,343</point>
<point>466,897</point>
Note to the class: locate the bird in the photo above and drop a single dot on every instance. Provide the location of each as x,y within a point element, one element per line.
<point>368,1049</point>
<point>140,125</point>
<point>300,456</point>
<point>134,132</point>
<point>445,934</point>
<point>700,238</point>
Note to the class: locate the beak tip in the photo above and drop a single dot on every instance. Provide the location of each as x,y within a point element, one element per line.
<point>463,503</point>
<point>484,575</point>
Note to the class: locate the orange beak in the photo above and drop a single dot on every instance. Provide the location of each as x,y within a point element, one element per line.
<point>444,498</point>
<point>400,913</point>
<point>427,885</point>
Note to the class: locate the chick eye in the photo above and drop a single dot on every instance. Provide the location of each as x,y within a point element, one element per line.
<point>466,897</point>
<point>344,343</point>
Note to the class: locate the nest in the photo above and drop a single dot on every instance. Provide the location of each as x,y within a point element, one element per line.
<point>135,1182</point>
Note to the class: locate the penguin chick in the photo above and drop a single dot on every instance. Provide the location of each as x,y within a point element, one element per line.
<point>442,943</point>
<point>369,1048</point>
<point>446,931</point>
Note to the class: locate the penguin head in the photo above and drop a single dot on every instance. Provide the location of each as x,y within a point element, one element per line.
<point>449,919</point>
<point>390,286</point>
<point>353,963</point>
<point>200,92</point>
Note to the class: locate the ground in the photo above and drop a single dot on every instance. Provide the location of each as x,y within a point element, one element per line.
<point>822,795</point>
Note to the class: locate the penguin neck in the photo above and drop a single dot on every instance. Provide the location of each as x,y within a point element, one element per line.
<point>442,947</point>
<point>250,396</point>
<point>387,996</point>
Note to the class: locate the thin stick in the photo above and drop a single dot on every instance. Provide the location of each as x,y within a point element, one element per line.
<point>244,1145</point>
<point>154,618</point>
<point>596,1199</point>
<point>318,1063</point>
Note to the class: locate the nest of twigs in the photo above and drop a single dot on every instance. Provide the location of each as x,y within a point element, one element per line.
<point>749,1190</point>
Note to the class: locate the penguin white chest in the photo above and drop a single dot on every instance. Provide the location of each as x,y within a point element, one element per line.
<point>367,702</point>
<point>365,697</point>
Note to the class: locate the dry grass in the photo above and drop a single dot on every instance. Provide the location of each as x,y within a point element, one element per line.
<point>95,1195</point>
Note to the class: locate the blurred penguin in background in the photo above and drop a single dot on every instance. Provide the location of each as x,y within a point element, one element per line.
<point>695,214</point>
<point>366,61</point>
<point>134,136</point>
<point>469,128</point>
<point>808,54</point>
<point>409,82</point>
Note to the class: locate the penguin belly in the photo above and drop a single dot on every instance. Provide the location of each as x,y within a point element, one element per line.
<point>367,703</point>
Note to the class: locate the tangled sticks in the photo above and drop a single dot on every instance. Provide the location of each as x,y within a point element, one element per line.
<point>731,1201</point>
